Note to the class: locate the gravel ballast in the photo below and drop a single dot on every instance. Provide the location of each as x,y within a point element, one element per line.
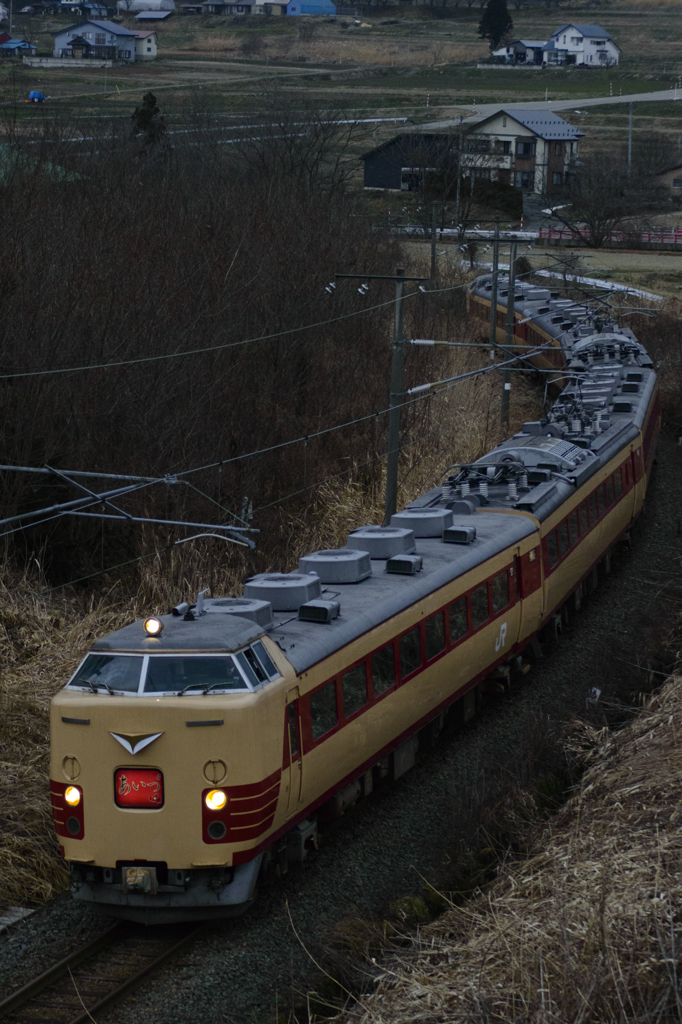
<point>384,849</point>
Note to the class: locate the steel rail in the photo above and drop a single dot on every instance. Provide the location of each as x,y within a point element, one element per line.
<point>121,931</point>
<point>140,977</point>
<point>60,969</point>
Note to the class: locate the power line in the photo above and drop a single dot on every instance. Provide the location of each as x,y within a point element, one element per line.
<point>212,348</point>
<point>449,382</point>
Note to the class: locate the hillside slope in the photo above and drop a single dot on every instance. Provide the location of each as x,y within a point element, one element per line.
<point>589,927</point>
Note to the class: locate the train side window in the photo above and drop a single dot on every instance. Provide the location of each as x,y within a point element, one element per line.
<point>434,635</point>
<point>323,716</point>
<point>610,497</point>
<point>410,652</point>
<point>266,661</point>
<point>573,527</point>
<point>593,508</point>
<point>601,499</point>
<point>294,745</point>
<point>563,538</point>
<point>552,549</point>
<point>255,665</point>
<point>584,519</point>
<point>354,686</point>
<point>458,620</point>
<point>618,481</point>
<point>383,670</point>
<point>479,605</point>
<point>500,592</point>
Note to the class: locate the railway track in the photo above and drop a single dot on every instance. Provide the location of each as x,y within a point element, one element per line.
<point>97,975</point>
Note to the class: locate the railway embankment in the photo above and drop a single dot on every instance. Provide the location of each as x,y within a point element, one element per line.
<point>586,926</point>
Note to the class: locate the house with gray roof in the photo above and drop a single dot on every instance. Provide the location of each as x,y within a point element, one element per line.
<point>521,51</point>
<point>582,45</point>
<point>531,149</point>
<point>95,40</point>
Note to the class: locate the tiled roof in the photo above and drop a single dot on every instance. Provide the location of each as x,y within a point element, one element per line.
<point>585,30</point>
<point>542,123</point>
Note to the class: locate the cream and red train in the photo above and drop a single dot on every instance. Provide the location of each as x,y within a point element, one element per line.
<point>190,752</point>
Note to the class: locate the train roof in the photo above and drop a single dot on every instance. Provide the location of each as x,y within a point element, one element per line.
<point>443,534</point>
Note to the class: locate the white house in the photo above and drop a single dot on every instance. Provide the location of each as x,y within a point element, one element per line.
<point>584,45</point>
<point>95,40</point>
<point>531,149</point>
<point>145,45</point>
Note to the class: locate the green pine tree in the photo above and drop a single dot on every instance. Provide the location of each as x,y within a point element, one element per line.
<point>148,120</point>
<point>495,23</point>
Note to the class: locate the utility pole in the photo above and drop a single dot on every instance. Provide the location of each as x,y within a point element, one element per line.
<point>630,143</point>
<point>433,242</point>
<point>396,393</point>
<point>508,340</point>
<point>493,293</point>
<point>395,399</point>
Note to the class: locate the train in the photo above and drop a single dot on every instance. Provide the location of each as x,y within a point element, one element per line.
<point>546,325</point>
<point>194,752</point>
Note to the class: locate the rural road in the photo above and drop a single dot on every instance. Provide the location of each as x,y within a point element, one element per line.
<point>484,109</point>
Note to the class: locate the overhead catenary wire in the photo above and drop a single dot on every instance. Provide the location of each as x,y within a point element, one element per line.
<point>214,348</point>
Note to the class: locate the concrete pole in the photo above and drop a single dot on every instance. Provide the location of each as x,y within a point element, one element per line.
<point>395,399</point>
<point>433,242</point>
<point>493,293</point>
<point>508,342</point>
<point>630,143</point>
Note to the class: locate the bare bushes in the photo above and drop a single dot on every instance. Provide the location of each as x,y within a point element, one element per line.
<point>146,256</point>
<point>662,337</point>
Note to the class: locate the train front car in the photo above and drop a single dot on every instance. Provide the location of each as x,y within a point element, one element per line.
<point>162,779</point>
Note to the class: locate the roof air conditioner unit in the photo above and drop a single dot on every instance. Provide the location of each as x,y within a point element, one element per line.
<point>622,406</point>
<point>382,541</point>
<point>259,612</point>
<point>406,565</point>
<point>459,535</point>
<point>426,522</point>
<point>339,565</point>
<point>286,591</point>
<point>630,388</point>
<point>319,611</point>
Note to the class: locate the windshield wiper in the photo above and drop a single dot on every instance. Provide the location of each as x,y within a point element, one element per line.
<point>101,683</point>
<point>190,686</point>
<point>220,682</point>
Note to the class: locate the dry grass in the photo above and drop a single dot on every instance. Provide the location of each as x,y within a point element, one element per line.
<point>588,927</point>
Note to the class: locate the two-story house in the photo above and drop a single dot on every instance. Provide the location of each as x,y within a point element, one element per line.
<point>531,149</point>
<point>583,45</point>
<point>97,40</point>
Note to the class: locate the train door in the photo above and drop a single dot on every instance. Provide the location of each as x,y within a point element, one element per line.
<point>293,760</point>
<point>529,585</point>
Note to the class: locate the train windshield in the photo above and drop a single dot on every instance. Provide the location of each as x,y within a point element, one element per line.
<point>109,672</point>
<point>175,674</point>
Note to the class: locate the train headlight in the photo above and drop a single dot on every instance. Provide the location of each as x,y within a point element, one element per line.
<point>216,799</point>
<point>72,795</point>
<point>153,626</point>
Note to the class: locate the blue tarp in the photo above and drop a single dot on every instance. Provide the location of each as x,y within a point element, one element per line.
<point>35,95</point>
